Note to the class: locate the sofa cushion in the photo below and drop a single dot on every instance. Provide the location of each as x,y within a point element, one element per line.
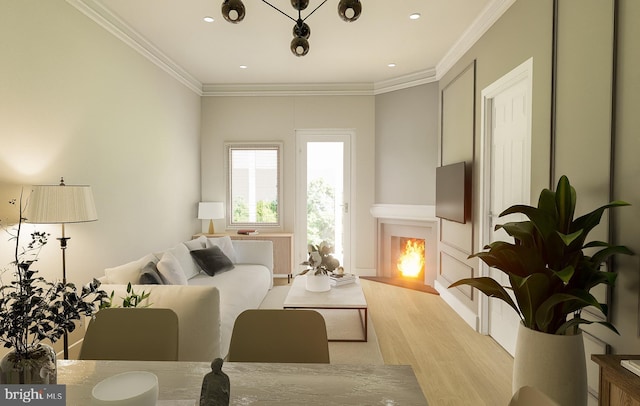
<point>129,272</point>
<point>149,275</point>
<point>197,243</point>
<point>212,260</point>
<point>225,245</point>
<point>170,270</point>
<point>187,264</point>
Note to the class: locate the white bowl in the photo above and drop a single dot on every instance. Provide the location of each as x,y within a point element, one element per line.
<point>136,388</point>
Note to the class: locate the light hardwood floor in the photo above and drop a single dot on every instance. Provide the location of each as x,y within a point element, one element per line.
<point>454,364</point>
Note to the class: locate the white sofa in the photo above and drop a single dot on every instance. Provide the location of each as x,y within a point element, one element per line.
<point>207,306</point>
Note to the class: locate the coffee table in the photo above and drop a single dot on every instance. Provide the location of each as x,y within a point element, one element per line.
<point>344,297</point>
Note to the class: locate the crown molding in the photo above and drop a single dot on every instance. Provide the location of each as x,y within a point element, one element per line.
<point>288,89</point>
<point>112,23</point>
<point>405,81</point>
<point>491,13</point>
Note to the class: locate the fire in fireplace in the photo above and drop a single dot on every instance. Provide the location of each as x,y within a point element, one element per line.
<point>411,261</point>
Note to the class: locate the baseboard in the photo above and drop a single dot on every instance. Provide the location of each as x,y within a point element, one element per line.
<point>463,311</point>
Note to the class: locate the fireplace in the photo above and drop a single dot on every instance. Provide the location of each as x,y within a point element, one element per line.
<point>406,243</point>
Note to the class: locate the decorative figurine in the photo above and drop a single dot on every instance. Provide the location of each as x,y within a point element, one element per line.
<point>215,386</point>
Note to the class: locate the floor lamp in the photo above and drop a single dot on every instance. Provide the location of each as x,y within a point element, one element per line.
<point>61,204</point>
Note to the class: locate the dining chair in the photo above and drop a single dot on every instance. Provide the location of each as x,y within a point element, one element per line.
<point>134,334</point>
<point>278,335</point>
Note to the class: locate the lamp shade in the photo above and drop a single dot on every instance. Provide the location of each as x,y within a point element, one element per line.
<point>210,210</point>
<point>59,204</point>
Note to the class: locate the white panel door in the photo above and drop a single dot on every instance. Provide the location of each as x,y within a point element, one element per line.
<point>509,184</point>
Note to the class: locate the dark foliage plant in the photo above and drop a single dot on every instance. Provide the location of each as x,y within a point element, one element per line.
<point>551,266</point>
<point>32,309</point>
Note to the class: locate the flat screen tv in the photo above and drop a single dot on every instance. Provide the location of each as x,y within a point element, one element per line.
<point>451,192</point>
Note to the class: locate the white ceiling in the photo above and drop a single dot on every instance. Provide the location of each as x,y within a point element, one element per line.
<point>207,56</point>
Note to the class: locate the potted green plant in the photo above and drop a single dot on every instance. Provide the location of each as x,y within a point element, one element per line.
<point>34,312</point>
<point>551,268</point>
<point>320,263</point>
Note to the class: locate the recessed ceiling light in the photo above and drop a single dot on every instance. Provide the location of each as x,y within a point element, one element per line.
<point>415,16</point>
<point>392,65</point>
<point>208,19</point>
<point>243,66</point>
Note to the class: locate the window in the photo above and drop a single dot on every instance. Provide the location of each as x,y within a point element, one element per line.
<point>253,195</point>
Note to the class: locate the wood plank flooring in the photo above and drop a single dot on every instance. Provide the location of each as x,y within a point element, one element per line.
<point>454,364</point>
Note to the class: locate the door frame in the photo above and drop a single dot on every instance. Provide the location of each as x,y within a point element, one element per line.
<point>303,136</point>
<point>523,72</point>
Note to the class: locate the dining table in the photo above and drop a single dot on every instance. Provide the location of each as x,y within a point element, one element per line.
<point>282,384</point>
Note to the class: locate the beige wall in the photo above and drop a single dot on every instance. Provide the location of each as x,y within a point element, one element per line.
<point>407,145</point>
<point>77,102</point>
<point>524,31</point>
<point>276,119</point>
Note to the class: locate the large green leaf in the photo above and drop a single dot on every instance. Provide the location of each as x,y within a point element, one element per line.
<point>604,254</point>
<point>573,323</point>
<point>509,258</point>
<point>530,292</point>
<point>579,299</point>
<point>543,221</point>
<point>489,287</point>
<point>588,221</point>
<point>565,204</point>
<point>521,231</point>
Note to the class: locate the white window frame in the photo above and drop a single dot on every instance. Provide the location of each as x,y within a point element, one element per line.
<point>273,145</point>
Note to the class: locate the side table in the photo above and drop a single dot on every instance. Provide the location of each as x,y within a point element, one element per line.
<point>618,386</point>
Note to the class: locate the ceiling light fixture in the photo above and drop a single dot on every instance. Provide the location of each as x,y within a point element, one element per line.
<point>208,19</point>
<point>415,16</point>
<point>349,10</point>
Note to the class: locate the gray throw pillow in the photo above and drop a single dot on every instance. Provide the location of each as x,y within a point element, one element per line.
<point>212,260</point>
<point>149,275</point>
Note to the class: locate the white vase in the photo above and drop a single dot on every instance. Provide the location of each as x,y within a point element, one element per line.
<point>554,364</point>
<point>317,283</point>
<point>37,367</point>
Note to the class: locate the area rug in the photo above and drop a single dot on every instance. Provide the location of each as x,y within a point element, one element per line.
<point>340,324</point>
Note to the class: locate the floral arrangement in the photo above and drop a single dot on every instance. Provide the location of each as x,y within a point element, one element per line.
<point>33,309</point>
<point>320,259</point>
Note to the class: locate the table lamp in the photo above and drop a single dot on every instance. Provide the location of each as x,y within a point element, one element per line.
<point>61,204</point>
<point>210,211</point>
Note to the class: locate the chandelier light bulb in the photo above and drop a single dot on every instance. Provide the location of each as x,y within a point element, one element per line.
<point>300,4</point>
<point>349,10</point>
<point>299,46</point>
<point>233,11</point>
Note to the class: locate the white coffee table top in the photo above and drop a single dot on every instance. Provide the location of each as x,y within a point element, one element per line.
<point>349,296</point>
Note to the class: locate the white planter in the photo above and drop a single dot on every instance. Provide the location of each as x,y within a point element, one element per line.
<point>554,364</point>
<point>317,283</point>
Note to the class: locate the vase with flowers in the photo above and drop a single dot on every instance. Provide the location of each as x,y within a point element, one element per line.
<point>319,265</point>
<point>35,313</point>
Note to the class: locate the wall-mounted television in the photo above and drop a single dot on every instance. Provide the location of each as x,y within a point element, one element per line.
<point>452,192</point>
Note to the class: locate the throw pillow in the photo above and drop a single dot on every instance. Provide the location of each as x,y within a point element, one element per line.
<point>225,245</point>
<point>170,270</point>
<point>150,275</point>
<point>129,272</point>
<point>187,264</point>
<point>212,260</point>
<point>196,244</point>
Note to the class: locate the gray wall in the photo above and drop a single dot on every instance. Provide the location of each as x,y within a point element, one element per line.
<point>407,145</point>
<point>78,102</point>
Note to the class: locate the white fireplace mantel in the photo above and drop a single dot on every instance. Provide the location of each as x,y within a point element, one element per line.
<point>414,212</point>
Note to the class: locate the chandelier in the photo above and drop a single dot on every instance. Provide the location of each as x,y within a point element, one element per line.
<point>349,10</point>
